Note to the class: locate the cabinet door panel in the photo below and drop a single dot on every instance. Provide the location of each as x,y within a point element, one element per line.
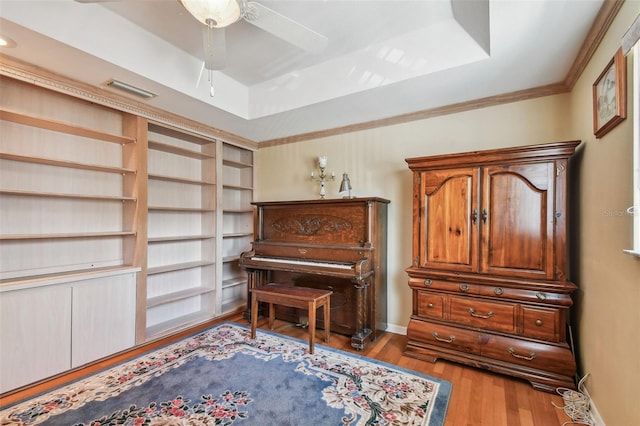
<point>103,315</point>
<point>36,334</point>
<point>517,220</point>
<point>448,231</point>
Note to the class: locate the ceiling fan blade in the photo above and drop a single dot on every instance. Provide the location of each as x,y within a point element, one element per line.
<point>285,28</point>
<point>215,50</point>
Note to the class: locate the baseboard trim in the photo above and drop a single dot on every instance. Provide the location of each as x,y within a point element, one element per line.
<point>397,329</point>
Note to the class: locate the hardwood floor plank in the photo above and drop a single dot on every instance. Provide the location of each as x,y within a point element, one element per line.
<point>478,397</point>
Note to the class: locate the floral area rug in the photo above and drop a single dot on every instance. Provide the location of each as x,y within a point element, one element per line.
<point>223,377</point>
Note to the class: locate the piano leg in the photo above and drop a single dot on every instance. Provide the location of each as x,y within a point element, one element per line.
<point>363,332</point>
<point>254,279</point>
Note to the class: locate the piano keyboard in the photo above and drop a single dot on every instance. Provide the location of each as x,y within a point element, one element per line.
<point>303,262</point>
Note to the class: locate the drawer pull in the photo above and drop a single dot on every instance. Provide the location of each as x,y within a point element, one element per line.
<point>540,295</point>
<point>539,322</point>
<point>514,354</point>
<point>430,305</point>
<point>428,282</point>
<point>464,288</point>
<point>499,291</point>
<point>472,312</point>
<point>442,339</point>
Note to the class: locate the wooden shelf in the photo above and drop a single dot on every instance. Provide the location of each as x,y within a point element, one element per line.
<point>233,258</point>
<point>233,305</point>
<point>237,234</point>
<point>236,164</point>
<point>235,281</point>
<point>180,209</point>
<point>179,179</point>
<point>30,281</point>
<point>61,127</point>
<point>17,237</point>
<point>67,164</point>
<point>177,267</point>
<point>179,323</point>
<point>159,146</point>
<point>237,187</point>
<point>180,238</point>
<point>65,195</point>
<point>178,295</point>
<point>237,211</point>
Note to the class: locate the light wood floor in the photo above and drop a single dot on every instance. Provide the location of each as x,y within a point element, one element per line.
<point>478,397</point>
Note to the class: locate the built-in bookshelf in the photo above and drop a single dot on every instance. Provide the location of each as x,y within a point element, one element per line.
<point>68,206</point>
<point>237,224</point>
<point>115,229</point>
<point>181,255</point>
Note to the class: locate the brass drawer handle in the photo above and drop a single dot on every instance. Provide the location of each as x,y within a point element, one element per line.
<point>498,291</point>
<point>442,339</point>
<point>464,288</point>
<point>539,323</point>
<point>428,282</point>
<point>430,305</point>
<point>473,314</point>
<point>514,354</point>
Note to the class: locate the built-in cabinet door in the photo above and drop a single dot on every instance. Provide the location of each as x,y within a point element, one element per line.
<point>35,327</point>
<point>103,317</point>
<point>448,219</point>
<point>517,220</point>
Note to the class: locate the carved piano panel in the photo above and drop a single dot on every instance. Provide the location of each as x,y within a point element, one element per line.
<point>334,244</point>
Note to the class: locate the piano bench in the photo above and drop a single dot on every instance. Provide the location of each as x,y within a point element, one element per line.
<point>295,297</point>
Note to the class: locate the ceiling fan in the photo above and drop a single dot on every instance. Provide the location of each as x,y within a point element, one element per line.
<point>219,14</point>
<point>216,15</point>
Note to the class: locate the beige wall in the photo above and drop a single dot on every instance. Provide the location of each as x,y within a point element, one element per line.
<point>375,162</point>
<point>608,303</point>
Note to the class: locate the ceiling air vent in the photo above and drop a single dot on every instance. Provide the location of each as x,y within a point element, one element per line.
<point>132,90</point>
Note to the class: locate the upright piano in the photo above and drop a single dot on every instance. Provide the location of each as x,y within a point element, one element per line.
<point>336,244</point>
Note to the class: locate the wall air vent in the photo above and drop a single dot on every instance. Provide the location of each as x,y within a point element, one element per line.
<point>141,93</point>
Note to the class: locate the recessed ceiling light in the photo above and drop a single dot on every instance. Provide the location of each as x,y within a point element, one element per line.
<point>6,41</point>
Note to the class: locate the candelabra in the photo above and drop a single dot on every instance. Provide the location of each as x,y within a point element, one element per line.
<point>323,177</point>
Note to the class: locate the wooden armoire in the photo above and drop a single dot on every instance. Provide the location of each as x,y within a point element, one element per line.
<point>489,268</point>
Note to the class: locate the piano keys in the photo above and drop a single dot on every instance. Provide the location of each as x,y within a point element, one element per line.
<point>333,244</point>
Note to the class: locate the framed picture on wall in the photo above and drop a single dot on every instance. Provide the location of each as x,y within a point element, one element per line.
<point>610,96</point>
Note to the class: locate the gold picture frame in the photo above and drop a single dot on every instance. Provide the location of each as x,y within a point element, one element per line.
<point>610,96</point>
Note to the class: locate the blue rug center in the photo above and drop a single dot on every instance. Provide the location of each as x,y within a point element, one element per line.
<point>284,398</point>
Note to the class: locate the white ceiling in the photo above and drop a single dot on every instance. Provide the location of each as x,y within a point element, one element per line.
<point>383,59</point>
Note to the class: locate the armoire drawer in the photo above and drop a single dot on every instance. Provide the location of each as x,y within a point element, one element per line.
<point>430,305</point>
<point>483,314</point>
<point>542,323</point>
<point>443,336</point>
<point>441,285</point>
<point>540,356</point>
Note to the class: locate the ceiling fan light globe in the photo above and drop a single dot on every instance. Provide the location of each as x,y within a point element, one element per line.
<point>221,13</point>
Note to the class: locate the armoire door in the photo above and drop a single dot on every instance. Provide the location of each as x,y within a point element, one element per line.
<point>517,220</point>
<point>448,219</point>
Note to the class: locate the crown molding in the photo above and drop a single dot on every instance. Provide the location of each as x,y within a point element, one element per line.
<point>521,95</point>
<point>601,24</point>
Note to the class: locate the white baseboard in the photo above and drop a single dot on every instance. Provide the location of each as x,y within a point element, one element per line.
<point>393,328</point>
<point>593,411</point>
